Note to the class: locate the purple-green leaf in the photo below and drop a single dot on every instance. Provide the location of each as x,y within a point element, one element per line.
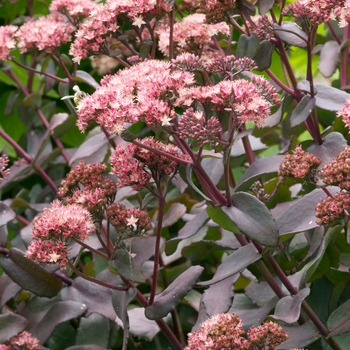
<point>81,75</point>
<point>288,308</point>
<point>339,321</point>
<point>11,325</point>
<point>302,110</point>
<point>173,294</point>
<point>6,214</point>
<point>8,289</point>
<point>120,301</point>
<point>234,263</point>
<point>30,275</point>
<point>264,57</point>
<point>329,58</point>
<point>265,5</point>
<point>248,46</point>
<point>290,33</point>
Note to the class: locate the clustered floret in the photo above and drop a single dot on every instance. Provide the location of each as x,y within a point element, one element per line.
<point>195,126</point>
<point>333,208</point>
<point>298,164</point>
<point>4,162</point>
<point>224,331</point>
<point>45,33</point>
<point>7,41</point>
<point>192,35</point>
<point>55,228</point>
<point>337,172</point>
<point>135,165</point>
<point>344,113</point>
<point>23,341</point>
<point>144,92</point>
<point>230,64</point>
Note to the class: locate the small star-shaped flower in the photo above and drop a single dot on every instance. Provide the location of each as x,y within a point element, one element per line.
<point>138,21</point>
<point>166,120</point>
<point>54,257</point>
<point>131,221</point>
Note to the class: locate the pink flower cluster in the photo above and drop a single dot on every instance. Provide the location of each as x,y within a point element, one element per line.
<point>7,41</point>
<point>337,172</point>
<point>143,92</point>
<point>136,165</point>
<point>224,331</point>
<point>299,164</point>
<point>344,113</point>
<point>4,162</point>
<point>75,10</point>
<point>195,126</point>
<point>23,341</point>
<point>91,38</point>
<point>333,208</point>
<point>247,100</point>
<point>318,12</point>
<point>54,228</point>
<point>45,33</point>
<point>128,222</point>
<point>192,35</point>
<point>87,186</point>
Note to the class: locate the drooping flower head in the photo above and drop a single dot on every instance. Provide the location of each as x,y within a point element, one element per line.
<point>144,92</point>
<point>192,35</point>
<point>45,33</point>
<point>7,41</point>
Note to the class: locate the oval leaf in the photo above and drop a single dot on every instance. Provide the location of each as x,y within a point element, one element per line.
<point>302,110</point>
<point>234,263</point>
<point>264,56</point>
<point>30,275</point>
<point>6,214</point>
<point>265,5</point>
<point>248,46</point>
<point>288,308</point>
<point>81,75</point>
<point>173,294</point>
<point>339,321</point>
<point>329,58</point>
<point>290,33</point>
<point>11,325</point>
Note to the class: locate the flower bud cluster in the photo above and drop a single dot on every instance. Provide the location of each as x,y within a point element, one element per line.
<point>188,62</point>
<point>230,64</point>
<point>337,172</point>
<point>23,341</point>
<point>55,228</point>
<point>299,164</point>
<point>135,166</point>
<point>195,126</point>
<point>224,331</point>
<point>4,162</point>
<point>7,41</point>
<point>333,208</point>
<point>128,222</point>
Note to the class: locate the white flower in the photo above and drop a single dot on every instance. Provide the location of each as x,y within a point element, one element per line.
<point>54,257</point>
<point>138,21</point>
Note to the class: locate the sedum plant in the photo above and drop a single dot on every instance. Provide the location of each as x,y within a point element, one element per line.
<point>174,174</point>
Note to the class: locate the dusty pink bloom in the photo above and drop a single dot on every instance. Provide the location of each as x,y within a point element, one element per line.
<point>45,33</point>
<point>62,222</point>
<point>143,92</point>
<point>316,11</point>
<point>337,172</point>
<point>195,126</point>
<point>299,164</point>
<point>267,336</point>
<point>26,341</point>
<point>262,27</point>
<point>333,208</point>
<point>4,162</point>
<point>48,251</point>
<point>135,166</point>
<point>88,186</point>
<point>192,35</point>
<point>230,65</point>
<point>73,9</point>
<point>246,100</point>
<point>188,62</point>
<point>129,222</point>
<point>344,113</point>
<point>7,41</point>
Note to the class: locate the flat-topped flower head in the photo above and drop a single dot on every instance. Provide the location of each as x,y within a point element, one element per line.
<point>144,92</point>
<point>333,208</point>
<point>75,10</point>
<point>192,35</point>
<point>63,222</point>
<point>45,33</point>
<point>7,41</point>
<point>299,164</point>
